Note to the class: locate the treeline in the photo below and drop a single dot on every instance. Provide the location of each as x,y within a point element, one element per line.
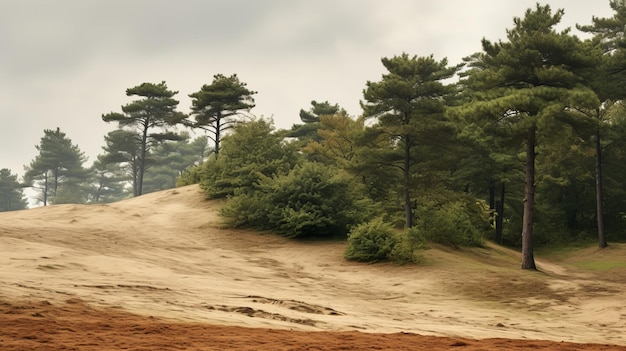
<point>528,141</point>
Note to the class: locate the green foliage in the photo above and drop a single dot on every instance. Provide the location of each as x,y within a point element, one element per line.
<point>372,241</point>
<point>249,154</point>
<point>454,223</point>
<point>408,105</point>
<point>144,122</point>
<point>59,164</point>
<point>410,243</point>
<point>377,240</point>
<point>11,195</point>
<point>216,106</point>
<point>108,181</point>
<point>170,159</point>
<point>311,122</point>
<point>311,201</point>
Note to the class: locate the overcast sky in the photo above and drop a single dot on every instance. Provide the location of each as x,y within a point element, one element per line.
<point>64,63</point>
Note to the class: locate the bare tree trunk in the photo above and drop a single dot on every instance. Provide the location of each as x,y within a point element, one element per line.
<point>599,193</point>
<point>528,259</point>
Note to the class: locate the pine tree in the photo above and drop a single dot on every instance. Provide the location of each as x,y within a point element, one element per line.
<point>530,80</point>
<point>148,117</point>
<point>58,166</point>
<point>408,105</point>
<point>217,106</point>
<point>11,195</point>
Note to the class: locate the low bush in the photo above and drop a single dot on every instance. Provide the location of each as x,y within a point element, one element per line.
<point>456,223</point>
<point>371,241</point>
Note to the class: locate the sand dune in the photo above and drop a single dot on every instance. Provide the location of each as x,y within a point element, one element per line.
<point>165,255</point>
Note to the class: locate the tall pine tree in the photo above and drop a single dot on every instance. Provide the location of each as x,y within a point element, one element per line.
<point>531,79</point>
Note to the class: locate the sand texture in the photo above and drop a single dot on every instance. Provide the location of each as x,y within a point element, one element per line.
<point>158,272</point>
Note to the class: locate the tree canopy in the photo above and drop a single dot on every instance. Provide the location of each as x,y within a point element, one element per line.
<point>217,105</point>
<point>148,118</point>
<point>530,80</point>
<point>57,171</point>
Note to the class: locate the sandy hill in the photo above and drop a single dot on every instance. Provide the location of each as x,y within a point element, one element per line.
<point>165,254</point>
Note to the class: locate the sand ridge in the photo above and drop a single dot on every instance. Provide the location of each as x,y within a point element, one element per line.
<point>166,255</point>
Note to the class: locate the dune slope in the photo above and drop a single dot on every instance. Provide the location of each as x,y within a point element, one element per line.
<point>165,255</point>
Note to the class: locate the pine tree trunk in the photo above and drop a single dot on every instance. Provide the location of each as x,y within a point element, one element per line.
<point>500,214</point>
<point>599,193</point>
<point>528,259</point>
<point>408,208</point>
<point>218,132</point>
<point>142,160</point>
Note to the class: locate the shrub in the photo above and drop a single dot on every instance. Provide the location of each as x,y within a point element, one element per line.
<point>311,201</point>
<point>371,241</point>
<point>409,244</point>
<point>455,223</point>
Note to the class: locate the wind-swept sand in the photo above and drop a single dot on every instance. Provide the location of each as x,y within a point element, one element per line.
<point>158,272</point>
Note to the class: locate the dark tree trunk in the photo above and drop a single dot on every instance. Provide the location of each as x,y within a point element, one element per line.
<point>500,214</point>
<point>528,259</point>
<point>599,193</point>
<point>218,132</point>
<point>142,158</point>
<point>45,189</point>
<point>492,203</point>
<point>408,208</point>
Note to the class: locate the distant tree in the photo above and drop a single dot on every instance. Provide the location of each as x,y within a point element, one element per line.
<point>122,148</point>
<point>311,121</point>
<point>171,159</point>
<point>108,182</point>
<point>216,106</point>
<point>408,105</point>
<point>338,134</point>
<point>11,194</point>
<point>531,80</point>
<point>148,117</point>
<point>57,169</point>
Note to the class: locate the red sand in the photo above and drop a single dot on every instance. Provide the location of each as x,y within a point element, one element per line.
<point>76,326</point>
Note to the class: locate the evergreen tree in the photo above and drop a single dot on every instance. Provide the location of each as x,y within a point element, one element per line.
<point>408,104</point>
<point>307,131</point>
<point>11,194</point>
<point>531,80</point>
<point>216,106</point>
<point>607,82</point>
<point>57,169</point>
<point>148,117</point>
<point>108,182</point>
<point>170,159</point>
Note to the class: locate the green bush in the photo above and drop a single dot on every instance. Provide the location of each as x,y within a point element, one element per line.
<point>456,223</point>
<point>311,201</point>
<point>371,241</point>
<point>192,175</point>
<point>409,244</point>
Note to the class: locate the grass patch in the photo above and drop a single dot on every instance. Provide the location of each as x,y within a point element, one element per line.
<point>601,266</point>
